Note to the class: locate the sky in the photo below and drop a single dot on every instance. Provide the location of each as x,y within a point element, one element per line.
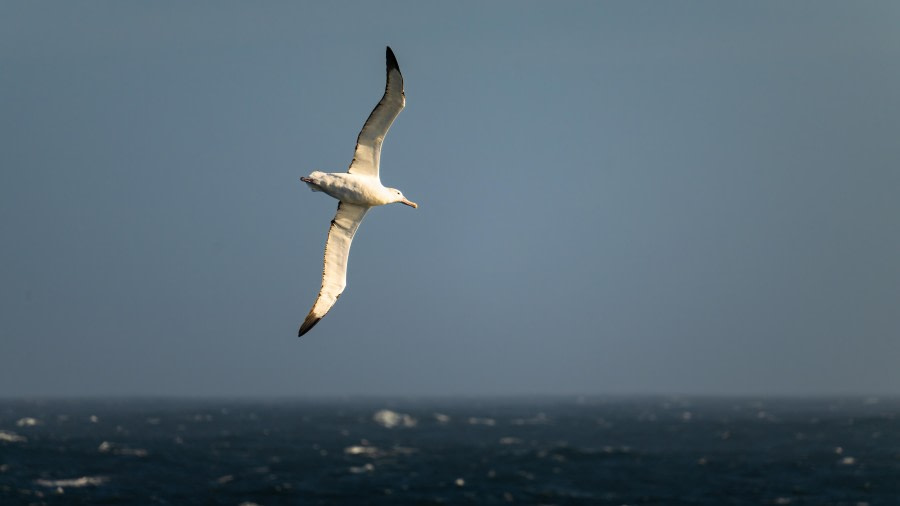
<point>614,198</point>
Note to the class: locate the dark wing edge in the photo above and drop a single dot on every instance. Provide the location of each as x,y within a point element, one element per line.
<point>367,155</point>
<point>310,322</point>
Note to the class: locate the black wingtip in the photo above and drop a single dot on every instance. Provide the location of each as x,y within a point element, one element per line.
<point>391,59</point>
<point>310,322</point>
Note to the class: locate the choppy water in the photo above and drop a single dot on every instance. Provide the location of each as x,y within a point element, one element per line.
<point>549,451</point>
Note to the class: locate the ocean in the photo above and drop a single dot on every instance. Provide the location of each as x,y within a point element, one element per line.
<point>564,450</point>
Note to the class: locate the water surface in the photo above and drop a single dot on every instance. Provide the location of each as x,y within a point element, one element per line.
<point>451,451</point>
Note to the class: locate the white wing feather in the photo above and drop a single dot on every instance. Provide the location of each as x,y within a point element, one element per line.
<point>337,251</point>
<point>367,158</point>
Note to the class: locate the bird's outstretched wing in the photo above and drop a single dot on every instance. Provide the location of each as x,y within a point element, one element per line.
<point>337,251</point>
<point>367,157</point>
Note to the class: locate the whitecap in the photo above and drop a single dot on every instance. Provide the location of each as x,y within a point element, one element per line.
<point>83,481</point>
<point>28,422</point>
<point>370,451</point>
<point>482,421</point>
<point>12,437</point>
<point>510,441</point>
<point>368,468</point>
<point>107,447</point>
<point>441,418</point>
<point>390,419</point>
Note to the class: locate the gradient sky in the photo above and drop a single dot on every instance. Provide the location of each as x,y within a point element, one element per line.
<point>615,197</point>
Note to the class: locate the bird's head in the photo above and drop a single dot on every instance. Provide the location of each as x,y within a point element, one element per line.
<point>397,196</point>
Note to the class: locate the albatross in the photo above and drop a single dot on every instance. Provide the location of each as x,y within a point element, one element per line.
<point>357,190</point>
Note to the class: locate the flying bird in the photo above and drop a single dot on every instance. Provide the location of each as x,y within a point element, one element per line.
<point>358,190</point>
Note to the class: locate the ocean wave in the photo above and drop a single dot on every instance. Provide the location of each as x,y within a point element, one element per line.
<point>107,447</point>
<point>367,468</point>
<point>12,437</point>
<point>390,419</point>
<point>366,450</point>
<point>369,451</point>
<point>538,419</point>
<point>84,481</point>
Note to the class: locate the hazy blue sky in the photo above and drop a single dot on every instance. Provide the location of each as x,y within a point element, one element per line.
<point>615,197</point>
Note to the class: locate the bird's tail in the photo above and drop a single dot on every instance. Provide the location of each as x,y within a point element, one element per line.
<point>312,185</point>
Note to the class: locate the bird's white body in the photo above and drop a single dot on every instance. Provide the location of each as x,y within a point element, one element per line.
<point>356,190</point>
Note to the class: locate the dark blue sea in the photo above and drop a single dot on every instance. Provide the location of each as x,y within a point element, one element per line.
<point>663,451</point>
